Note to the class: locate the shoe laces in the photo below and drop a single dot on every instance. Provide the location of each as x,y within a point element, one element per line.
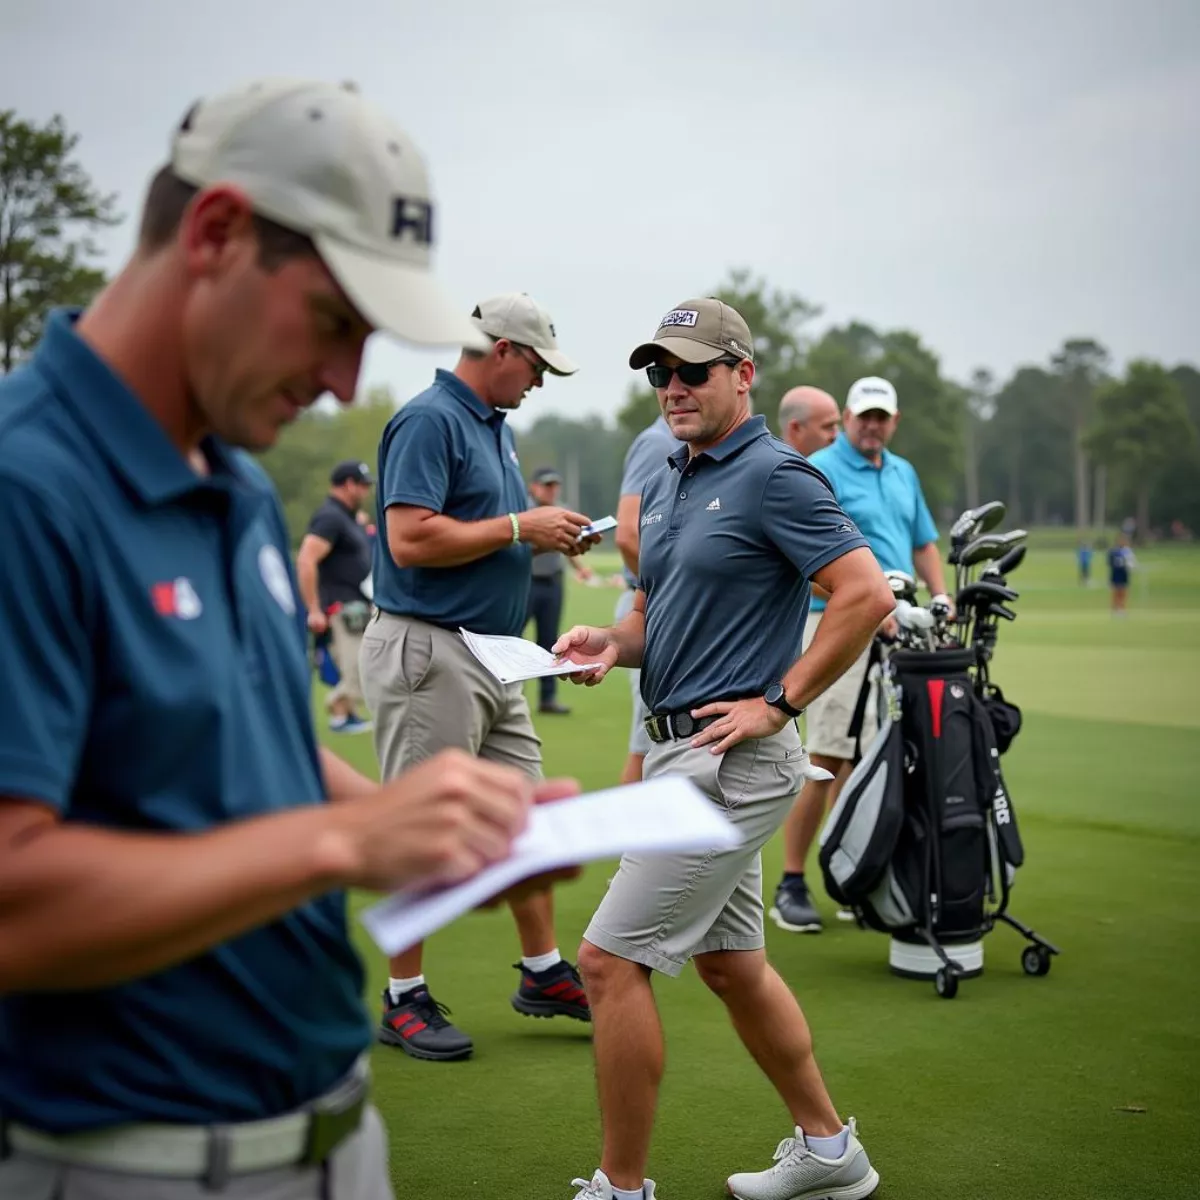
<point>590,1189</point>
<point>432,1012</point>
<point>791,1148</point>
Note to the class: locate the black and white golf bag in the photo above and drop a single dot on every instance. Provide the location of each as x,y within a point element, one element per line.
<point>923,843</point>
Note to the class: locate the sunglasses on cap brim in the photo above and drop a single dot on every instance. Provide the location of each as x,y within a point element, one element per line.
<point>690,374</point>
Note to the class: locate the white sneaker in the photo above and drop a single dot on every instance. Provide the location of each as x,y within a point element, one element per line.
<point>599,1188</point>
<point>799,1174</point>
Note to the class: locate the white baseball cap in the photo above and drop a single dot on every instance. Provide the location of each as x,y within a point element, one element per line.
<point>319,159</point>
<point>872,395</point>
<point>521,319</point>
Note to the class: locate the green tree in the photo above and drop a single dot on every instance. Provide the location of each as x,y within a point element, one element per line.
<point>979,408</point>
<point>1141,426</point>
<point>1081,366</point>
<point>48,210</point>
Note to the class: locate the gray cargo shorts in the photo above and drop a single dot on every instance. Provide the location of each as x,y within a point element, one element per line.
<point>660,910</point>
<point>427,692</point>
<point>639,739</point>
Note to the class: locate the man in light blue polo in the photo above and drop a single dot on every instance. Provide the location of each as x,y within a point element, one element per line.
<point>180,998</point>
<point>456,537</point>
<point>881,492</point>
<point>738,527</point>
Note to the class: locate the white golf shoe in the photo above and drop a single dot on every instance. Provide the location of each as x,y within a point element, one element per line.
<point>799,1174</point>
<point>599,1188</point>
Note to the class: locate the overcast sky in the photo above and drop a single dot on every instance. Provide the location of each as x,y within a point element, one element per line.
<point>994,176</point>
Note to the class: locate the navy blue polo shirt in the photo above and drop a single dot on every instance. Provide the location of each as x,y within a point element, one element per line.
<point>729,542</point>
<point>448,451</point>
<point>154,659</point>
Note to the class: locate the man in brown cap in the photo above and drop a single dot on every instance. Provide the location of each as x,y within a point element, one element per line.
<point>738,525</point>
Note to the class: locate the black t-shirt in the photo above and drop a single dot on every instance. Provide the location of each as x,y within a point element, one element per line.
<point>348,563</point>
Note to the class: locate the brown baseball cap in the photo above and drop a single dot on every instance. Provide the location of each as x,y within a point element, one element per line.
<point>697,331</point>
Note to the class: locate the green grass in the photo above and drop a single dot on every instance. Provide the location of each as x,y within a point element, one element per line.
<point>1020,1088</point>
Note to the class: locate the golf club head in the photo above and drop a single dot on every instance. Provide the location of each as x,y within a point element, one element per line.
<point>982,593</point>
<point>1013,538</point>
<point>973,522</point>
<point>998,610</point>
<point>1010,561</point>
<point>985,548</point>
<point>903,585</point>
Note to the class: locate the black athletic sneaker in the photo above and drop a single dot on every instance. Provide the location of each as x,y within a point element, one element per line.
<point>417,1024</point>
<point>554,992</point>
<point>794,910</point>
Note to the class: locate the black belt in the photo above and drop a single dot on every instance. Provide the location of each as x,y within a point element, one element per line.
<point>666,727</point>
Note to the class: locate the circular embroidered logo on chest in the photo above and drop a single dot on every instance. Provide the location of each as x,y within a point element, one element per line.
<point>275,575</point>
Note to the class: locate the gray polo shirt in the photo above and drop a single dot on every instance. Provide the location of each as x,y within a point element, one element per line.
<point>646,456</point>
<point>729,542</point>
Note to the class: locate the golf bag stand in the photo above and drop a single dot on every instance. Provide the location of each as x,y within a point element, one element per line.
<point>923,841</point>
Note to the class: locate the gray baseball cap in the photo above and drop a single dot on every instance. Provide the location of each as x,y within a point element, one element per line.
<point>697,331</point>
<point>319,159</point>
<point>521,319</point>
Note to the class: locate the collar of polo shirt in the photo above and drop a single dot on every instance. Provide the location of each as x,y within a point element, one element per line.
<point>739,439</point>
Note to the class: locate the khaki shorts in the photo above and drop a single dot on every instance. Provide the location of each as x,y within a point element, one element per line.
<point>828,717</point>
<point>663,909</point>
<point>639,739</point>
<point>357,1170</point>
<point>345,657</point>
<point>427,692</point>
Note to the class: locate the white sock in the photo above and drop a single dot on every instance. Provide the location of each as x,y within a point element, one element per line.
<point>829,1147</point>
<point>543,962</point>
<point>638,1195</point>
<point>399,986</point>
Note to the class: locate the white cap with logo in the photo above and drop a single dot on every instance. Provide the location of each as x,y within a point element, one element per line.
<point>521,319</point>
<point>872,395</point>
<point>319,159</point>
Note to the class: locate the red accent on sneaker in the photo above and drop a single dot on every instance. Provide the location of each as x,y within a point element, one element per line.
<point>415,1028</point>
<point>400,1021</point>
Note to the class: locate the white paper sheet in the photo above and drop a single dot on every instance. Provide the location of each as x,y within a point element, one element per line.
<point>513,659</point>
<point>660,816</point>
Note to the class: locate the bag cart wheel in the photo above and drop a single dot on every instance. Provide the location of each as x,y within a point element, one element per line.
<point>1035,960</point>
<point>945,983</point>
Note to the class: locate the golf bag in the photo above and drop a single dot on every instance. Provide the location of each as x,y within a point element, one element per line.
<point>923,841</point>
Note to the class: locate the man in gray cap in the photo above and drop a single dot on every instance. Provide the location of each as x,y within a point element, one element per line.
<point>738,524</point>
<point>333,567</point>
<point>546,592</point>
<point>456,537</point>
<point>180,999</point>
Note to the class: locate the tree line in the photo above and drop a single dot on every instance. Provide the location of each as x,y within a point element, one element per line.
<point>1066,441</point>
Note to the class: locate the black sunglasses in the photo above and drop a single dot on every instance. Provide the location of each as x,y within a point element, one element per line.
<point>690,374</point>
<point>539,367</point>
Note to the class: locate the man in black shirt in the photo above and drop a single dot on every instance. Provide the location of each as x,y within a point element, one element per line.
<point>333,567</point>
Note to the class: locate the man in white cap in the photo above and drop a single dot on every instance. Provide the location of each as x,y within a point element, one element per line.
<point>880,491</point>
<point>180,999</point>
<point>454,547</point>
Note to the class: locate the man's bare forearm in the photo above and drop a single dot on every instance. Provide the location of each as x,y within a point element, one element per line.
<point>847,626</point>
<point>441,541</point>
<point>629,635</point>
<point>928,564</point>
<point>342,781</point>
<point>306,579</point>
<point>82,907</point>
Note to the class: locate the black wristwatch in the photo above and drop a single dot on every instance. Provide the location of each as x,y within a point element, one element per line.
<point>776,697</point>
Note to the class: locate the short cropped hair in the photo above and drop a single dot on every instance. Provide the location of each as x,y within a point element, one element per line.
<point>167,198</point>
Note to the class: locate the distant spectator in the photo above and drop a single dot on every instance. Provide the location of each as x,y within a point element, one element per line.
<point>1084,555</point>
<point>1120,563</point>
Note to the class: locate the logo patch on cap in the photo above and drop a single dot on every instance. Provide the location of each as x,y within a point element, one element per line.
<point>679,316</point>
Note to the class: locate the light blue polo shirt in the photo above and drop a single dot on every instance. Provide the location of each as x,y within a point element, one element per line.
<point>729,542</point>
<point>157,681</point>
<point>448,451</point>
<point>886,503</point>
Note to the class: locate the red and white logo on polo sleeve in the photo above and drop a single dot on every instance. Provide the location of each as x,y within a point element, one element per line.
<point>176,598</point>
